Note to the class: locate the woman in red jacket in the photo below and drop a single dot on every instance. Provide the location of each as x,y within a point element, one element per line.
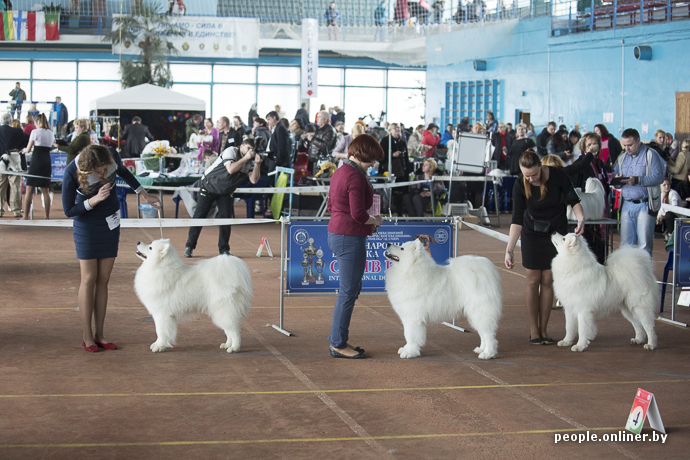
<point>350,196</point>
<point>430,140</point>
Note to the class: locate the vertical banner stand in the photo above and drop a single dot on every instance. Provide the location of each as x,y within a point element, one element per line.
<point>456,223</point>
<point>283,270</point>
<point>677,249</point>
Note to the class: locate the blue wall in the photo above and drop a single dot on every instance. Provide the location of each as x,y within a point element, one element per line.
<point>579,76</point>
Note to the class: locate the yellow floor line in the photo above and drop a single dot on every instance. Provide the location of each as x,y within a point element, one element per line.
<point>347,390</point>
<point>612,429</point>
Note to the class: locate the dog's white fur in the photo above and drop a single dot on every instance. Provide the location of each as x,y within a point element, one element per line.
<point>588,289</point>
<point>593,200</point>
<point>172,291</point>
<point>423,292</point>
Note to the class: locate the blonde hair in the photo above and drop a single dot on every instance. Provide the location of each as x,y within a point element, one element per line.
<point>83,124</point>
<point>91,158</point>
<point>479,128</point>
<point>553,160</point>
<point>16,123</point>
<point>432,165</point>
<point>590,135</point>
<point>357,130</point>
<point>659,131</point>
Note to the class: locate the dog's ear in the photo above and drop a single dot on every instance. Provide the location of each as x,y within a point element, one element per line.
<point>164,248</point>
<point>572,240</point>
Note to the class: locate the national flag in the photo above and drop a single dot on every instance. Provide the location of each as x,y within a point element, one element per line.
<point>36,26</point>
<point>52,21</point>
<point>7,26</point>
<point>19,18</point>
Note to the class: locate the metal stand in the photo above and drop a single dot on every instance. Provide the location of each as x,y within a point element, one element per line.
<point>456,223</point>
<point>283,269</point>
<point>676,255</point>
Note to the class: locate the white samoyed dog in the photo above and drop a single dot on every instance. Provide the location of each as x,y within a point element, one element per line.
<point>588,289</point>
<point>423,292</point>
<point>172,291</point>
<point>593,200</point>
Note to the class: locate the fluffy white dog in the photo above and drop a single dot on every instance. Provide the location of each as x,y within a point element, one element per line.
<point>423,292</point>
<point>592,201</point>
<point>588,289</point>
<point>172,291</point>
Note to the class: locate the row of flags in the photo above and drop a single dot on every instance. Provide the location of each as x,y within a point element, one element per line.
<point>33,26</point>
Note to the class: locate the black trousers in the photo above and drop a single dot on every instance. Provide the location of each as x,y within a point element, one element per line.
<point>415,204</point>
<point>226,210</point>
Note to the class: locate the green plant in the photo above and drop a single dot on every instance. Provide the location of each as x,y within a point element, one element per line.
<point>150,31</point>
<point>52,8</point>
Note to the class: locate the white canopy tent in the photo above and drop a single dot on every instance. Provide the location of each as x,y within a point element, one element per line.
<point>148,97</point>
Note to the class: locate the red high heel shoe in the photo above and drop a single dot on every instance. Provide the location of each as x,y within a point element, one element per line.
<point>92,349</point>
<point>106,346</point>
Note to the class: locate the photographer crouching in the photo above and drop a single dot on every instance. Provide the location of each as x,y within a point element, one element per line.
<point>233,168</point>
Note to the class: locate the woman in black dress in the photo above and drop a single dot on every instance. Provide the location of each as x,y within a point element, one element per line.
<point>540,198</point>
<point>41,140</point>
<point>89,197</point>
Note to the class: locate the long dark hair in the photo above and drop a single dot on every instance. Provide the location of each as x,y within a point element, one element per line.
<point>558,142</point>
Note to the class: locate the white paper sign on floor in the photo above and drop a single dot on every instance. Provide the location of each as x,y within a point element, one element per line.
<point>644,407</point>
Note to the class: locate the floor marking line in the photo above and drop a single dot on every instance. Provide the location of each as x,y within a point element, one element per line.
<point>616,429</point>
<point>345,390</point>
<point>515,390</point>
<point>344,416</point>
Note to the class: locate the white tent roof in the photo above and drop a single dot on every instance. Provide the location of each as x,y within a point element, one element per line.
<point>148,97</point>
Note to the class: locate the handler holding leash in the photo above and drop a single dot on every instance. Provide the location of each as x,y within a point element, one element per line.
<point>539,210</point>
<point>351,195</point>
<point>89,197</point>
<point>221,179</point>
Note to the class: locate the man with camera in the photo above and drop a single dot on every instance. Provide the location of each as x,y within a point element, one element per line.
<point>233,168</point>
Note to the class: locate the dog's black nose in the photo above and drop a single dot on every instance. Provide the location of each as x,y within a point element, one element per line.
<point>139,242</point>
<point>389,245</point>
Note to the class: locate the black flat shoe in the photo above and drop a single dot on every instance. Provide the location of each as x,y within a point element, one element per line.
<point>548,341</point>
<point>537,341</point>
<point>359,355</point>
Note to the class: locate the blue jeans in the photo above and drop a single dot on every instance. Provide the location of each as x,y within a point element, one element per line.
<point>637,226</point>
<point>351,253</point>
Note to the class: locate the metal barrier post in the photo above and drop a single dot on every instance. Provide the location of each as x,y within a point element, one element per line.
<point>676,252</point>
<point>283,266</point>
<point>456,224</point>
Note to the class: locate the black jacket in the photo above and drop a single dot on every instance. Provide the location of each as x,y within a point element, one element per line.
<point>497,142</point>
<point>234,139</point>
<point>12,139</point>
<point>403,168</point>
<point>303,116</point>
<point>134,135</point>
<point>542,140</point>
<point>516,149</point>
<point>323,143</point>
<point>615,149</point>
<point>280,145</point>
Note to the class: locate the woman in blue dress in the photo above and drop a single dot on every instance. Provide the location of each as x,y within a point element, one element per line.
<point>89,197</point>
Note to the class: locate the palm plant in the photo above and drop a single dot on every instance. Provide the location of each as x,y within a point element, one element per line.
<point>150,30</point>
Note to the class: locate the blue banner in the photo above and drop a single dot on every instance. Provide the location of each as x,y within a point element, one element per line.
<point>682,254</point>
<point>58,163</point>
<point>312,267</point>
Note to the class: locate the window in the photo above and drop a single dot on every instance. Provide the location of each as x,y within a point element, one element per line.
<point>406,78</point>
<point>405,106</point>
<point>191,73</point>
<point>67,90</point>
<point>360,102</point>
<point>231,100</point>
<point>330,77</point>
<point>55,70</point>
<point>234,74</point>
<point>202,92</point>
<point>91,90</point>
<point>99,71</point>
<point>279,75</point>
<point>285,96</point>
<point>329,96</point>
<point>365,77</point>
<point>15,70</point>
